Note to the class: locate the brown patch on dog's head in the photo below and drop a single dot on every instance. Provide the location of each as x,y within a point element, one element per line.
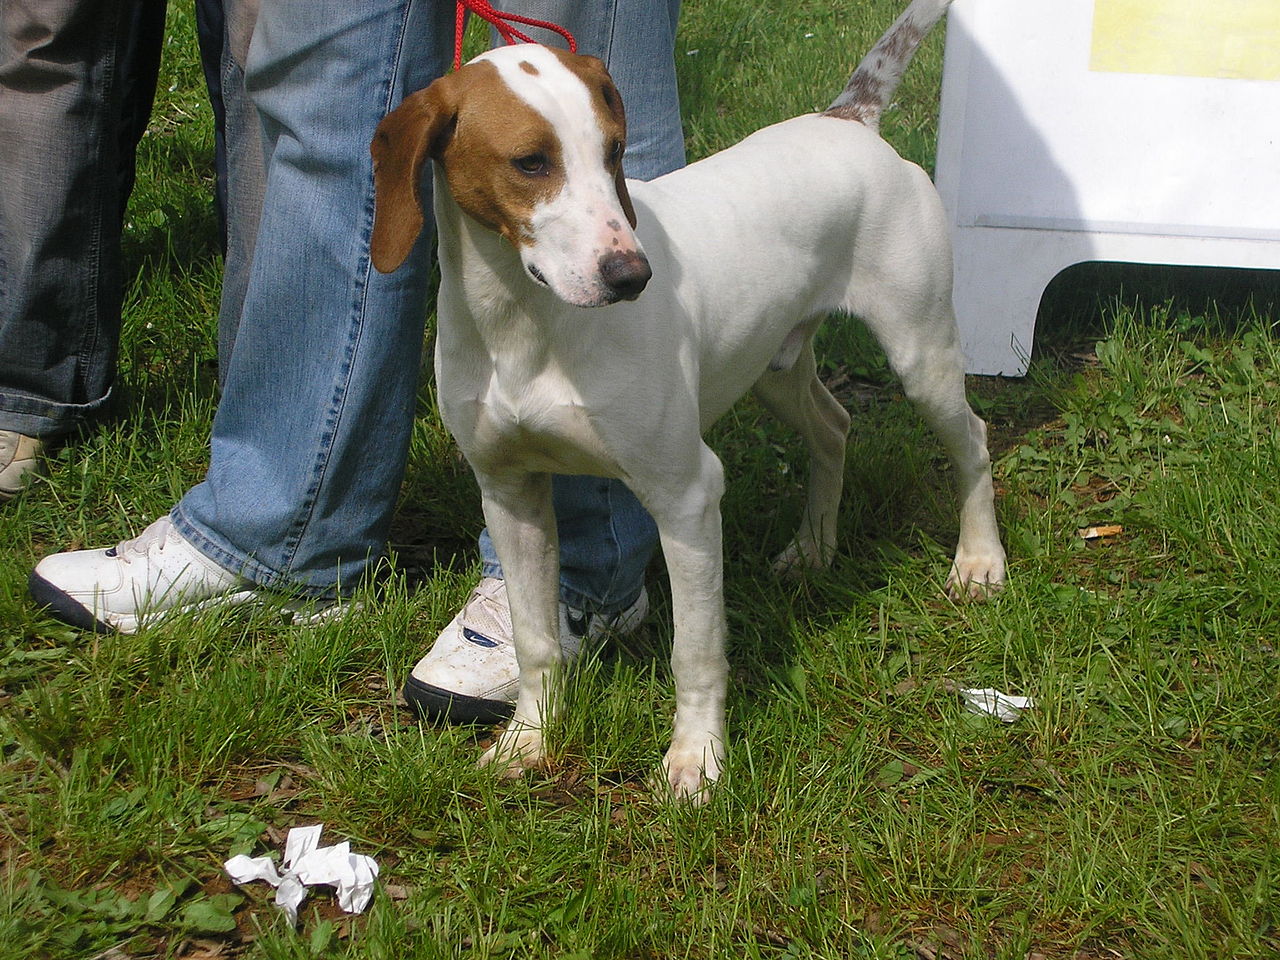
<point>499,158</point>
<point>503,159</point>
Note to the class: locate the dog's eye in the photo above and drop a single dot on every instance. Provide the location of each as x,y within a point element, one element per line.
<point>616,150</point>
<point>532,163</point>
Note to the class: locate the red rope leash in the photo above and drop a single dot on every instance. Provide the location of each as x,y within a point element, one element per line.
<point>502,23</point>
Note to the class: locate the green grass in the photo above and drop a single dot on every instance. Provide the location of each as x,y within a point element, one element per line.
<point>1133,813</point>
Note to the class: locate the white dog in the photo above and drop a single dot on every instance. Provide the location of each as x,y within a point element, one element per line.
<point>598,326</point>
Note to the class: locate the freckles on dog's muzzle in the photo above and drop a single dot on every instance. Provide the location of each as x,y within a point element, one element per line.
<point>625,274</point>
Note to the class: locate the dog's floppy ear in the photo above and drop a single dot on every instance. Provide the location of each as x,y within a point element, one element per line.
<point>404,140</point>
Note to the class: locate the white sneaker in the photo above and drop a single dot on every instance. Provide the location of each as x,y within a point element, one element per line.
<point>470,675</point>
<point>155,573</point>
<point>19,462</point>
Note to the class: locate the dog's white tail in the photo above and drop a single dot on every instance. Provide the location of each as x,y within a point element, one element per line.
<point>869,90</point>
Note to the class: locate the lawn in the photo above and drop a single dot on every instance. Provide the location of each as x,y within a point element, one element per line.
<point>1134,812</point>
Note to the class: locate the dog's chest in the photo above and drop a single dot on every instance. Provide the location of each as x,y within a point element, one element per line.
<point>534,423</point>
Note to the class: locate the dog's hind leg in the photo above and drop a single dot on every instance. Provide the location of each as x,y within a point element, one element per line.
<point>798,397</point>
<point>925,354</point>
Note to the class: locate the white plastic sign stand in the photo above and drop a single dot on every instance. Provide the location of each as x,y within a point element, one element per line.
<point>1142,131</point>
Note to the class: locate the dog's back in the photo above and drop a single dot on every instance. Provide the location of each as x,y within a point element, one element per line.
<point>731,245</point>
<point>798,220</point>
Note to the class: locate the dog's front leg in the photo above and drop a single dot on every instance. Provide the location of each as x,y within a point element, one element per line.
<point>522,525</point>
<point>689,526</point>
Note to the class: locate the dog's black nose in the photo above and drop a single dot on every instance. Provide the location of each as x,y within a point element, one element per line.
<point>625,274</point>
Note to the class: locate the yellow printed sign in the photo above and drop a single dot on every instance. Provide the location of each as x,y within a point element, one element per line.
<point>1229,39</point>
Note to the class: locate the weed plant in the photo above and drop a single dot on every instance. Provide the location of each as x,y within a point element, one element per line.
<point>1132,813</point>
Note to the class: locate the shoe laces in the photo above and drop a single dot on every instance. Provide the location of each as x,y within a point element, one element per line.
<point>488,611</point>
<point>156,535</point>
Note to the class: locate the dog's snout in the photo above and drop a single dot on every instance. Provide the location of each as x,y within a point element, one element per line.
<point>625,274</point>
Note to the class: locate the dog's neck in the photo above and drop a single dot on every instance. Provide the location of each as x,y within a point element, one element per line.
<point>483,265</point>
<point>485,292</point>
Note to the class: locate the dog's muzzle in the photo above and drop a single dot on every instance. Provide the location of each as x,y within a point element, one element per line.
<point>625,274</point>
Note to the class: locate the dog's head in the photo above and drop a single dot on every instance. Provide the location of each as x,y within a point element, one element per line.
<point>530,140</point>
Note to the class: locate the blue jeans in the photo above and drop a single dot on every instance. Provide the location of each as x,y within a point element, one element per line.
<point>76,84</point>
<point>311,437</point>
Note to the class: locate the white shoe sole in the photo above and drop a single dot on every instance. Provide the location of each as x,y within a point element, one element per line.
<point>62,606</point>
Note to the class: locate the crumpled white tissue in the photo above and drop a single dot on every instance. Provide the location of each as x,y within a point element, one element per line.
<point>308,864</point>
<point>1003,706</point>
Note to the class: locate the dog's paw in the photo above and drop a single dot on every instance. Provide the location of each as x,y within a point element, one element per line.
<point>515,751</point>
<point>801,555</point>
<point>690,773</point>
<point>976,577</point>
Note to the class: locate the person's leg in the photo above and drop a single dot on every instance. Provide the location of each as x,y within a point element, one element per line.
<point>310,438</point>
<point>139,70</point>
<point>211,33</point>
<point>76,84</point>
<point>309,441</point>
<point>606,537</point>
<point>244,169</point>
<point>225,30</point>
<point>321,363</point>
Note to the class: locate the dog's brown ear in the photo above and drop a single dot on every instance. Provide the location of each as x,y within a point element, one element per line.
<point>620,182</point>
<point>404,140</point>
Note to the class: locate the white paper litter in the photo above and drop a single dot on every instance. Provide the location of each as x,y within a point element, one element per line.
<point>307,864</point>
<point>1003,706</point>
